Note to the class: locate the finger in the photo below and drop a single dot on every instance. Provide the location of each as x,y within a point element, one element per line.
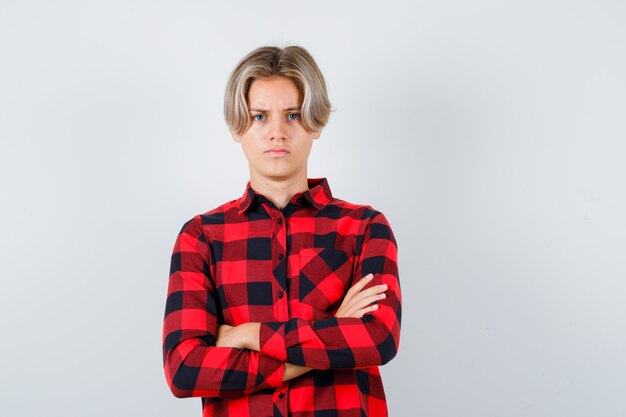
<point>355,304</point>
<point>371,299</point>
<point>345,307</point>
<point>371,308</point>
<point>376,289</point>
<point>352,309</point>
<point>358,286</point>
<point>366,310</point>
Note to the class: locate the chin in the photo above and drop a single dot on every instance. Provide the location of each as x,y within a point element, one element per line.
<point>278,174</point>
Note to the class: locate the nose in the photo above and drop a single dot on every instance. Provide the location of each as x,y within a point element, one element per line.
<point>278,129</point>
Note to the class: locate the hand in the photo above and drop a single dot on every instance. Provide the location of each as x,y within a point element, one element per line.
<point>237,337</point>
<point>293,371</point>
<point>243,336</point>
<point>227,337</point>
<point>356,302</point>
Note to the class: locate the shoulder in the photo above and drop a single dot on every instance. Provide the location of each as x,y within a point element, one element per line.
<point>362,212</point>
<point>372,222</point>
<point>213,216</point>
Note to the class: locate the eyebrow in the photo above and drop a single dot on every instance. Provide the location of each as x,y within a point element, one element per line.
<point>287,109</point>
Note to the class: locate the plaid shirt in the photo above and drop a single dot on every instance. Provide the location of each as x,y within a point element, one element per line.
<point>289,269</point>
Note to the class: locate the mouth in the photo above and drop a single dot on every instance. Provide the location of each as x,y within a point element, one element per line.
<point>277,151</point>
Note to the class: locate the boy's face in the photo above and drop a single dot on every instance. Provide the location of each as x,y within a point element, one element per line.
<point>277,145</point>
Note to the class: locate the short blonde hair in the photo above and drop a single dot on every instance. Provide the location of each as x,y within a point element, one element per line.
<point>292,62</point>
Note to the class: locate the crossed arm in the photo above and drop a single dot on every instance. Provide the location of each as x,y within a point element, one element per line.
<point>356,303</point>
<point>204,359</point>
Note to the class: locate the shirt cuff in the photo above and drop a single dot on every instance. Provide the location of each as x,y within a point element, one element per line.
<point>272,371</point>
<point>272,340</point>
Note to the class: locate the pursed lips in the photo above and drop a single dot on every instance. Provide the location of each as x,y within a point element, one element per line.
<point>277,151</point>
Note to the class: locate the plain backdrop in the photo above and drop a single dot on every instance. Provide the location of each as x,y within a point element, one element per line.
<point>490,133</point>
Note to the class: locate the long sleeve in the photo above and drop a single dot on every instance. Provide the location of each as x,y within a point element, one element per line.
<point>348,342</point>
<point>193,365</point>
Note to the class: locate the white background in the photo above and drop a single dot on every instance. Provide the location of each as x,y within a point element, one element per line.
<point>490,133</point>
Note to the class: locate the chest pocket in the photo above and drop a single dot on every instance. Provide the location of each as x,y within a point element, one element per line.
<point>324,278</point>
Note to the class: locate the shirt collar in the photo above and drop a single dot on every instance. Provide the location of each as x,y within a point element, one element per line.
<point>318,194</point>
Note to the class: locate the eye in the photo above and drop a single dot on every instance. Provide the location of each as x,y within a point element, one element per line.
<point>259,117</point>
<point>293,116</point>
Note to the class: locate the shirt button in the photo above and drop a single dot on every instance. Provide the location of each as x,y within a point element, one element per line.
<point>280,220</point>
<point>280,294</point>
<point>280,256</point>
<point>281,395</point>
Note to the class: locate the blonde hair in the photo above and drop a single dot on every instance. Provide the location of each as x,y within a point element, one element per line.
<point>292,62</point>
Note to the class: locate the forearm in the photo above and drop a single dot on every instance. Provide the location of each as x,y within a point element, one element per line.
<point>246,336</point>
<point>344,342</point>
<point>194,369</point>
<point>348,342</point>
<point>336,343</point>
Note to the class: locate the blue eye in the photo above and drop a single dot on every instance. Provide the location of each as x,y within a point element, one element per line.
<point>259,117</point>
<point>295,116</point>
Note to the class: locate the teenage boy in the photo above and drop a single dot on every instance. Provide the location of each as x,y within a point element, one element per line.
<point>286,300</point>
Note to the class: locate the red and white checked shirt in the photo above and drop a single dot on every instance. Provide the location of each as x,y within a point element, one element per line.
<point>289,269</point>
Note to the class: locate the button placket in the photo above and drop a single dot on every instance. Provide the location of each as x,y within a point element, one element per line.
<point>280,399</point>
<point>281,308</point>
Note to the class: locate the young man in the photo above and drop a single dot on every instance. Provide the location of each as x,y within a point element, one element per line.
<point>286,300</point>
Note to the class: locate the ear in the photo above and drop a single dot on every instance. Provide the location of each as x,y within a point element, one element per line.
<point>235,136</point>
<point>317,133</point>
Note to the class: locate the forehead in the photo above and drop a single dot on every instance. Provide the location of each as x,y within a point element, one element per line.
<point>279,91</point>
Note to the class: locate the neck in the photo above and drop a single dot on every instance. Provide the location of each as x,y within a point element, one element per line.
<point>279,191</point>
